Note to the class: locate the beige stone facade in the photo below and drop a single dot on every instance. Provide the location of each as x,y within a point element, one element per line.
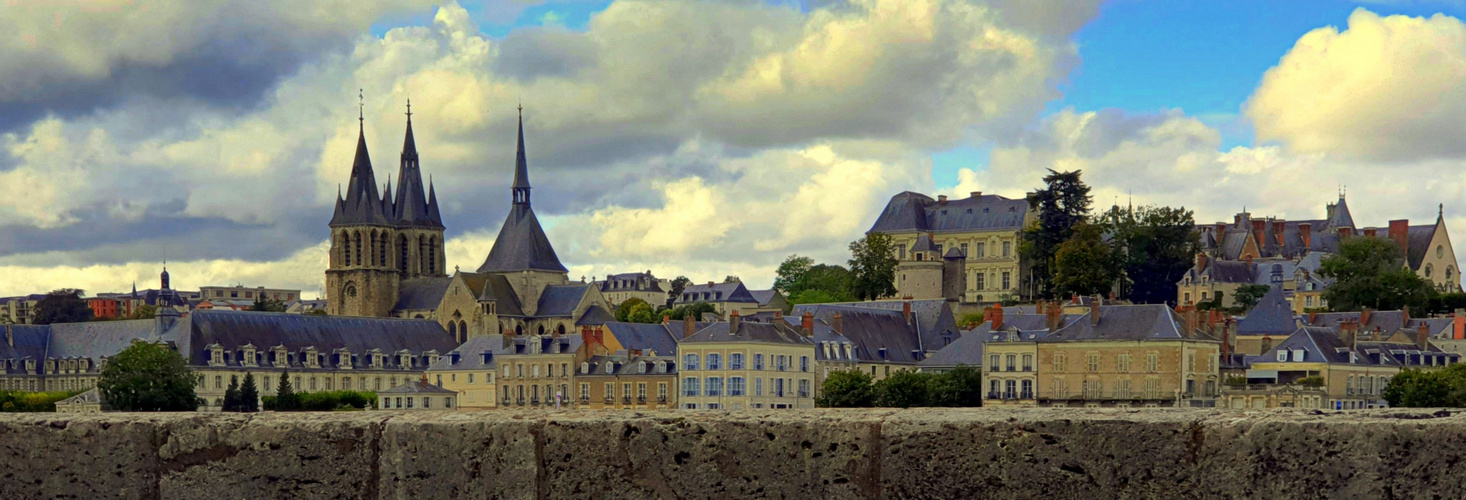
<point>627,383</point>
<point>985,229</point>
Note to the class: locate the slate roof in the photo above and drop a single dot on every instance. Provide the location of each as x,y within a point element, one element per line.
<point>410,207</point>
<point>1271,316</point>
<point>234,329</point>
<point>644,282</point>
<point>496,287</point>
<point>91,396</point>
<point>522,345</point>
<point>595,315</point>
<point>629,365</point>
<point>1339,215</point>
<point>1126,322</point>
<point>908,211</point>
<point>966,350</point>
<point>363,204</point>
<point>1418,240</point>
<point>872,329</point>
<point>95,339</point>
<point>763,296</point>
<point>1324,345</point>
<point>471,354</point>
<point>417,387</point>
<point>656,337</point>
<point>560,300</point>
<point>923,244</point>
<point>716,292</point>
<point>748,332</point>
<point>421,293</point>
<point>933,318</point>
<point>521,244</point>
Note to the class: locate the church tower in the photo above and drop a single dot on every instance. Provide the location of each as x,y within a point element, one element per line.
<point>417,247</point>
<point>361,280</point>
<point>522,253</point>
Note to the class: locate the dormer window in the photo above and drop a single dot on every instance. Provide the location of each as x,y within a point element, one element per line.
<point>662,367</point>
<point>610,367</point>
<point>640,367</point>
<point>584,368</point>
<point>248,357</point>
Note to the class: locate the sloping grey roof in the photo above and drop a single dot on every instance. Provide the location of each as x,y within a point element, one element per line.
<point>1127,322</point>
<point>232,329</point>
<point>560,300</point>
<point>630,365</point>
<point>595,315</point>
<point>934,319</point>
<point>96,339</point>
<point>748,332</point>
<point>521,245</point>
<point>966,350</point>
<point>417,387</point>
<point>1271,316</point>
<point>421,293</point>
<point>872,329</point>
<point>91,396</point>
<point>30,342</point>
<point>905,212</point>
<point>1339,215</point>
<point>923,244</point>
<point>1418,239</point>
<point>1230,271</point>
<point>643,282</point>
<point>656,336</point>
<point>568,344</point>
<point>471,354</point>
<point>363,204</point>
<point>716,292</point>
<point>497,288</point>
<point>908,211</point>
<point>411,207</point>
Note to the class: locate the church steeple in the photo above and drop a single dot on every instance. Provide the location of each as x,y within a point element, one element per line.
<point>412,208</point>
<point>521,167</point>
<point>363,204</point>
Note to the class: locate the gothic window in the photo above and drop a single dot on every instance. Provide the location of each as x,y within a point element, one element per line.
<point>463,328</point>
<point>422,252</point>
<point>432,256</point>
<point>346,249</point>
<point>402,242</point>
<point>453,329</point>
<point>357,249</point>
<point>542,329</point>
<point>382,251</point>
<point>351,290</point>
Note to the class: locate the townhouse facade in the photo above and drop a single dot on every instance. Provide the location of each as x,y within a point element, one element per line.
<point>978,234</point>
<point>737,365</point>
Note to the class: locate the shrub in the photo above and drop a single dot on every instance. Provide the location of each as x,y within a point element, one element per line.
<point>1314,381</point>
<point>847,389</point>
<point>329,401</point>
<point>904,389</point>
<point>25,402</point>
<point>1237,381</point>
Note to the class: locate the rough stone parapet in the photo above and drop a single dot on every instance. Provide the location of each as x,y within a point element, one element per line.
<point>923,453</point>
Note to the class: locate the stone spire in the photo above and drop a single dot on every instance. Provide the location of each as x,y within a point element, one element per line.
<point>412,208</point>
<point>521,167</point>
<point>363,205</point>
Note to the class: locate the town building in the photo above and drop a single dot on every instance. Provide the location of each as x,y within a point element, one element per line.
<point>618,288</point>
<point>89,401</point>
<point>239,292</point>
<point>627,381</point>
<point>724,297</point>
<point>536,370</point>
<point>980,232</point>
<point>770,300</point>
<point>874,340</point>
<point>746,365</point>
<point>416,395</point>
<point>470,371</point>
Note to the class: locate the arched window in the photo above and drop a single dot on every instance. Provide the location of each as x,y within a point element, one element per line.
<point>463,327</point>
<point>542,329</point>
<point>422,251</point>
<point>402,242</point>
<point>432,256</point>
<point>346,249</point>
<point>357,249</point>
<point>1428,270</point>
<point>453,329</point>
<point>382,250</point>
<point>518,330</point>
<point>560,329</point>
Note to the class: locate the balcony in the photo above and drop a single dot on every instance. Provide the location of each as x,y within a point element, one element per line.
<point>610,401</point>
<point>641,400</point>
<point>626,400</point>
<point>661,400</point>
<point>585,400</point>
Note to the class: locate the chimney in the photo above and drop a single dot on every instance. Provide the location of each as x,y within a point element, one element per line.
<point>1404,316</point>
<point>1364,316</point>
<point>1193,320</point>
<point>689,326</point>
<point>1094,311</point>
<point>941,199</point>
<point>1348,330</point>
<point>997,316</point>
<point>1052,316</point>
<point>1237,219</point>
<point>1278,231</point>
<point>1221,231</point>
<point>733,321</point>
<point>1313,318</point>
<point>1039,308</point>
<point>710,283</point>
<point>837,323</point>
<point>1422,336</point>
<point>905,310</point>
<point>1267,343</point>
<point>977,194</point>
<point>1200,261</point>
<point>1399,231</point>
<point>778,317</point>
<point>806,324</point>
<point>1345,232</point>
<point>1458,325</point>
<point>1370,232</point>
<point>1259,233</point>
<point>666,319</point>
<point>1305,230</point>
<point>1226,340</point>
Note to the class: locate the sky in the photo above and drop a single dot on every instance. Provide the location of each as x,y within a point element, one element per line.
<point>702,138</point>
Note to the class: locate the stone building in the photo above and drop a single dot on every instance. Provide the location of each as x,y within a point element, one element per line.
<point>240,292</point>
<point>627,381</point>
<point>724,297</point>
<point>618,288</point>
<point>539,370</point>
<point>383,244</point>
<point>89,401</point>
<point>746,365</point>
<point>979,233</point>
<point>416,395</point>
<point>471,370</point>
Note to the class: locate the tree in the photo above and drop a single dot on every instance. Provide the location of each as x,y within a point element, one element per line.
<point>642,313</point>
<point>231,395</point>
<point>1062,204</point>
<point>678,285</point>
<point>789,277</point>
<point>285,397</point>
<point>903,389</point>
<point>1413,388</point>
<point>1085,264</point>
<point>1156,247</point>
<point>1371,272</point>
<point>731,279</point>
<point>623,310</point>
<point>1248,296</point>
<point>249,395</point>
<point>872,267</point>
<point>62,306</point>
<point>972,318</point>
<point>696,309</point>
<point>263,304</point>
<point>148,377</point>
<point>815,297</point>
<point>847,389</point>
<point>960,387</point>
<point>145,312</point>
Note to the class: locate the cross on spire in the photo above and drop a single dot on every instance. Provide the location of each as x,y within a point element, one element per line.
<point>360,107</point>
<point>409,109</point>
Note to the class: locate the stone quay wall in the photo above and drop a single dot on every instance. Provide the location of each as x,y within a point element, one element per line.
<point>848,454</point>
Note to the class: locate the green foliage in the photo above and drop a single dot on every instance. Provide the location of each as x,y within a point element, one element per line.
<point>148,377</point>
<point>678,285</point>
<point>267,403</point>
<point>1062,203</point>
<point>1085,264</point>
<point>817,297</point>
<point>624,310</point>
<point>847,389</point>
<point>263,304</point>
<point>1414,388</point>
<point>316,312</point>
<point>1371,272</point>
<point>789,277</point>
<point>249,394</point>
<point>336,400</point>
<point>904,389</point>
<point>1155,245</point>
<point>1236,381</point>
<point>696,309</point>
<point>959,387</point>
<point>285,397</point>
<point>1314,381</point>
<point>972,318</point>
<point>27,402</point>
<point>62,306</point>
<point>1248,295</point>
<point>872,267</point>
<point>231,395</point>
<point>1447,303</point>
<point>731,279</point>
<point>144,312</point>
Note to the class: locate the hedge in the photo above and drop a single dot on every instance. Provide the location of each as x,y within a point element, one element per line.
<point>326,401</point>
<point>21,401</point>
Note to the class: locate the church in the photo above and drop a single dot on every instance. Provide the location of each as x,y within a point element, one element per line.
<point>387,259</point>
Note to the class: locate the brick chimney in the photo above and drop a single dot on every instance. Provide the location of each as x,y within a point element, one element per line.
<point>1364,315</point>
<point>1038,307</point>
<point>689,326</point>
<point>997,316</point>
<point>1458,325</point>
<point>1348,331</point>
<point>1094,311</point>
<point>906,309</point>
<point>1422,336</point>
<point>1399,231</point>
<point>941,199</point>
<point>1237,219</point>
<point>1052,316</point>
<point>1226,339</point>
<point>1259,232</point>
<point>837,323</point>
<point>977,194</point>
<point>1345,232</point>
<point>1278,231</point>
<point>733,321</point>
<point>806,324</point>
<point>1370,232</point>
<point>1200,261</point>
<point>1404,316</point>
<point>1267,343</point>
<point>1305,230</point>
<point>666,319</point>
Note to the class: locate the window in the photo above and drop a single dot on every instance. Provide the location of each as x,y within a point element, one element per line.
<point>758,386</point>
<point>1186,298</point>
<point>977,278</point>
<point>804,388</point>
<point>735,361</point>
<point>584,392</point>
<point>1007,246</point>
<point>564,369</point>
<point>1060,361</point>
<point>779,387</point>
<point>662,392</point>
<point>1006,282</point>
<point>1191,362</point>
<point>1028,362</point>
<point>1012,362</point>
<point>993,363</point>
<point>1010,389</point>
<point>218,382</point>
<point>735,386</point>
<point>427,402</point>
<point>536,370</point>
<point>689,362</point>
<point>995,389</point>
<point>641,392</point>
<point>804,363</point>
<point>470,378</point>
<point>1282,354</point>
<point>1093,362</point>
<point>689,386</point>
<point>1298,354</point>
<point>714,386</point>
<point>964,245</point>
<point>1122,363</point>
<point>715,361</point>
<point>608,391</point>
<point>1152,362</point>
<point>980,250</point>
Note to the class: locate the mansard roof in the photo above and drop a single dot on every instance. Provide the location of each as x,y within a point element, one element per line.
<point>872,329</point>
<point>716,292</point>
<point>1127,322</point>
<point>471,354</point>
<point>748,331</point>
<point>657,337</point>
<point>298,331</point>
<point>908,211</point>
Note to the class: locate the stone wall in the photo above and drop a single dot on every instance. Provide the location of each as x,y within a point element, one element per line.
<point>978,453</point>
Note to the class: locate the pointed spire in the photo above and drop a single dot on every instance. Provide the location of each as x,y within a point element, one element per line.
<point>521,167</point>
<point>409,145</point>
<point>433,214</point>
<point>362,204</point>
<point>410,206</point>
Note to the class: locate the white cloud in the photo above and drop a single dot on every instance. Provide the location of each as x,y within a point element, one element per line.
<point>1385,88</point>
